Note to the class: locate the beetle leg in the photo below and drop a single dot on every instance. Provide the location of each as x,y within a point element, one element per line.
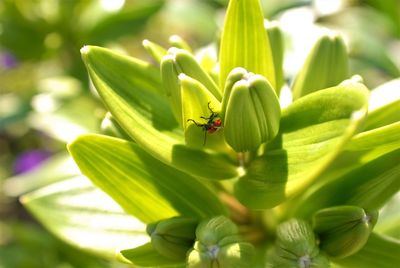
<point>197,124</point>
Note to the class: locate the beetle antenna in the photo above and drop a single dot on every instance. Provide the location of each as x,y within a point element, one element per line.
<point>205,138</point>
<point>197,124</point>
<point>210,107</point>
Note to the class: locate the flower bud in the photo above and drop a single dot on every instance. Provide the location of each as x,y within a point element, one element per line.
<point>177,41</point>
<point>276,42</point>
<point>171,84</point>
<point>179,61</point>
<point>218,243</point>
<point>187,64</point>
<point>172,238</point>
<point>325,66</point>
<point>156,51</point>
<point>252,111</point>
<point>296,247</point>
<point>343,230</point>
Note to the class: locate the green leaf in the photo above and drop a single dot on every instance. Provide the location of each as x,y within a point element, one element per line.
<point>84,216</point>
<point>380,251</point>
<point>244,41</point>
<point>127,86</point>
<point>387,136</point>
<point>146,256</point>
<point>369,186</point>
<point>142,185</point>
<point>313,130</point>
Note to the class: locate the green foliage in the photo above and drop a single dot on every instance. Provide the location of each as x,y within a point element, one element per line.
<point>194,154</point>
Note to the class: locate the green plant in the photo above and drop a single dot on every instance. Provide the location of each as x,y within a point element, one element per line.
<point>297,187</point>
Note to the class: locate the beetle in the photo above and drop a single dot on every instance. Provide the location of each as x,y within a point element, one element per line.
<point>213,124</point>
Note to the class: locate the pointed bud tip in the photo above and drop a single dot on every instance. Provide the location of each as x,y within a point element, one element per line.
<point>168,57</point>
<point>182,76</point>
<point>85,50</point>
<point>145,42</point>
<point>173,51</point>
<point>174,38</point>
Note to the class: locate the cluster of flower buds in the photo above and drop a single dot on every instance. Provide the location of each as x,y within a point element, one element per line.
<point>201,244</point>
<point>247,109</point>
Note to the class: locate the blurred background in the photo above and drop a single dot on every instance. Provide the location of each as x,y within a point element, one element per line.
<point>46,99</point>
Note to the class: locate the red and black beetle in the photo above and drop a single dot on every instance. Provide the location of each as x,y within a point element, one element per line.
<point>213,123</point>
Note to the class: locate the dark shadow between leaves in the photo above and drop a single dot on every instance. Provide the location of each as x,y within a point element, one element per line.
<point>264,184</point>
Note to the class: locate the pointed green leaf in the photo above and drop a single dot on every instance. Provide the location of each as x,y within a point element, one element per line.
<point>142,185</point>
<point>387,136</point>
<point>380,251</point>
<point>84,216</point>
<point>146,256</point>
<point>126,88</point>
<point>313,130</point>
<point>384,115</point>
<point>244,41</point>
<point>369,186</point>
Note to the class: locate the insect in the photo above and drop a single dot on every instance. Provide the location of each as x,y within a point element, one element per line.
<point>213,124</point>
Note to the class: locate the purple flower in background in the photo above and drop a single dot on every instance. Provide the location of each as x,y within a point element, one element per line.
<point>30,160</point>
<point>7,60</point>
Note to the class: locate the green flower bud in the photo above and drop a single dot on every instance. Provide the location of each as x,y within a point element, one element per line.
<point>179,61</point>
<point>275,37</point>
<point>343,230</point>
<point>252,111</point>
<point>177,41</point>
<point>325,66</point>
<point>218,245</point>
<point>187,64</point>
<point>155,50</point>
<point>171,84</point>
<point>296,247</point>
<point>234,76</point>
<point>172,238</point>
